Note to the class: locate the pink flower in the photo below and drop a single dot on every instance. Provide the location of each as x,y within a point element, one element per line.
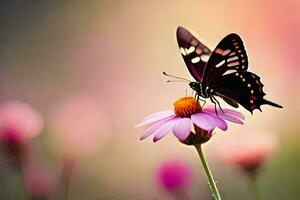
<point>187,112</point>
<point>174,176</point>
<point>248,151</point>
<point>79,126</point>
<point>19,122</point>
<point>39,180</point>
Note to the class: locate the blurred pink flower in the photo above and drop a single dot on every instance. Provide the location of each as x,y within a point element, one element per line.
<point>19,122</point>
<point>40,182</point>
<point>79,126</point>
<point>187,111</point>
<point>174,176</point>
<point>248,151</point>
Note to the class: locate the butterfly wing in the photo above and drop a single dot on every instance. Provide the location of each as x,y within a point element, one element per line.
<point>194,53</point>
<point>244,88</point>
<point>229,101</point>
<point>229,56</point>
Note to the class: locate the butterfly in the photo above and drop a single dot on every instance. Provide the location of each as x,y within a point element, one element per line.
<point>223,72</point>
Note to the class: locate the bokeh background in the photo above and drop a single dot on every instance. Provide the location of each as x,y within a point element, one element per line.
<point>103,60</point>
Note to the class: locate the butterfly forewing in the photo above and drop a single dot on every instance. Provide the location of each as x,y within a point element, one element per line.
<point>195,54</point>
<point>229,56</point>
<point>244,88</point>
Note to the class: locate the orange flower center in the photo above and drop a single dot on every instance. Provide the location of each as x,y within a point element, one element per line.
<point>186,106</point>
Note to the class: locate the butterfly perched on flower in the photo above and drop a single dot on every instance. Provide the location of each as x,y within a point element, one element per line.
<point>223,72</point>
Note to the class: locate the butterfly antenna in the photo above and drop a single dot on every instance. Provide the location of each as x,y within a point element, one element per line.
<point>176,81</point>
<point>184,79</point>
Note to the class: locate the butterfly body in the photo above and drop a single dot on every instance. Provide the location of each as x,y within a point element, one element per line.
<point>197,87</point>
<point>222,72</point>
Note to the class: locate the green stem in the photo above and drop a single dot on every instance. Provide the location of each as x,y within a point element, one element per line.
<point>211,181</point>
<point>67,171</point>
<point>253,184</point>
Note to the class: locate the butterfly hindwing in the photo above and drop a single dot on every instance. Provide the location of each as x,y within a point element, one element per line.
<point>195,54</point>
<point>244,88</point>
<point>222,72</point>
<point>229,56</point>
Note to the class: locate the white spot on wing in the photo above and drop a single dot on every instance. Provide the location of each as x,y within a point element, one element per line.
<point>233,64</point>
<point>182,51</point>
<point>204,58</point>
<point>229,71</point>
<point>190,50</point>
<point>220,63</point>
<point>195,60</point>
<point>232,58</point>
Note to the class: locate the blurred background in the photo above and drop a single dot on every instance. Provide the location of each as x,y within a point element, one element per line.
<point>93,70</point>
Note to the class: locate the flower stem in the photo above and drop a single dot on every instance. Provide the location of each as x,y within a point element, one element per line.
<point>67,171</point>
<point>211,180</point>
<point>254,187</point>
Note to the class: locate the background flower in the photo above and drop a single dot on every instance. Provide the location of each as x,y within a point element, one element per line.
<point>174,176</point>
<point>19,121</point>
<point>79,126</point>
<point>249,150</point>
<point>40,180</point>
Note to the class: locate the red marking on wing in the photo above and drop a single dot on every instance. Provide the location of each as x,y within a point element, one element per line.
<point>195,73</point>
<point>252,107</point>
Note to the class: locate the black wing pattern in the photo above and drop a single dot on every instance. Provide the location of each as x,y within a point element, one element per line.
<point>229,56</point>
<point>226,76</point>
<point>195,54</point>
<point>244,88</point>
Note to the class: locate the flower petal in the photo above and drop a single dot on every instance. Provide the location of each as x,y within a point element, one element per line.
<point>159,113</point>
<point>230,118</point>
<point>156,117</point>
<point>220,123</point>
<point>182,128</point>
<point>230,112</point>
<point>166,128</point>
<point>204,121</point>
<point>227,116</point>
<point>234,113</point>
<point>149,131</point>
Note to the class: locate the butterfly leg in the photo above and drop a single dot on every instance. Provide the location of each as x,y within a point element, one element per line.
<point>212,100</point>
<point>198,97</point>
<point>218,103</point>
<point>203,100</point>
